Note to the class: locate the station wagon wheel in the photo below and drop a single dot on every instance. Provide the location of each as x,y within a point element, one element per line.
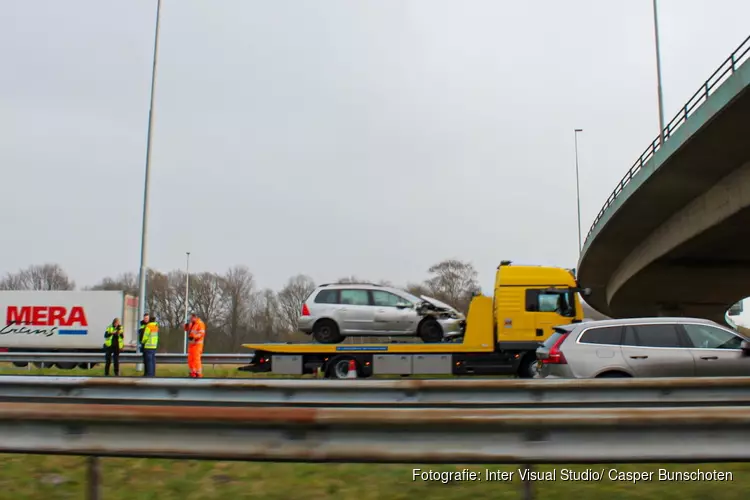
<point>430,331</point>
<point>326,331</point>
<point>528,367</point>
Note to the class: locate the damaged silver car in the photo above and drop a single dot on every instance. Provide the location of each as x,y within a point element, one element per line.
<point>336,311</point>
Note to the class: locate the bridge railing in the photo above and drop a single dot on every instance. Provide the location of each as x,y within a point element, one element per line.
<point>722,73</point>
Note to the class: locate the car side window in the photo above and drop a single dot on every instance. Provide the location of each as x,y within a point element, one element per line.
<point>327,297</point>
<point>710,337</point>
<point>386,299</point>
<point>355,297</point>
<point>657,335</point>
<point>606,336</point>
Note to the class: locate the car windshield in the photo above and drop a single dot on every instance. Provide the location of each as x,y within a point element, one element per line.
<point>411,298</point>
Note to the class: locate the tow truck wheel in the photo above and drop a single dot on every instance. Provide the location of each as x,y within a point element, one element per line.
<point>528,367</point>
<point>430,331</point>
<point>326,331</point>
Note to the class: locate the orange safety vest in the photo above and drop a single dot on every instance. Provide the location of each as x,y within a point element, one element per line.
<point>197,332</point>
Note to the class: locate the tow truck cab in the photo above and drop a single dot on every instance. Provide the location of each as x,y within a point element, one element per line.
<point>501,337</point>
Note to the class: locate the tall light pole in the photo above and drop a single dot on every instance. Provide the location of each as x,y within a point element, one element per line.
<point>578,192</point>
<point>144,225</point>
<point>187,295</point>
<point>658,77</point>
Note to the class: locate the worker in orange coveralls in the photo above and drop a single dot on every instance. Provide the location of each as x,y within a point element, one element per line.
<point>196,334</point>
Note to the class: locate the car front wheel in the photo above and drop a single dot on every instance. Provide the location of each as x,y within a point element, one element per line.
<point>430,331</point>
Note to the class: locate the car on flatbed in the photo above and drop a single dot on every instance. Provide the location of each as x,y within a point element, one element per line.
<point>644,347</point>
<point>334,312</point>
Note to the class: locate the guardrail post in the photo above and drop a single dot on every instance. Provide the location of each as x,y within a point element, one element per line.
<point>94,473</point>
<point>528,491</point>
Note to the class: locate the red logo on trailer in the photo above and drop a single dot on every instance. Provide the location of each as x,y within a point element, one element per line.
<point>47,320</point>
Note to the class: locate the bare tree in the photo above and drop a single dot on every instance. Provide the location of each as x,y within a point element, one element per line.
<point>352,280</point>
<point>418,289</point>
<point>291,297</point>
<point>207,298</point>
<point>12,282</point>
<point>238,288</point>
<point>453,282</point>
<point>265,316</point>
<point>127,282</point>
<point>39,277</point>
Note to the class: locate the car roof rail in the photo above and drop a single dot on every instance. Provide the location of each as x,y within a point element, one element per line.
<point>355,283</point>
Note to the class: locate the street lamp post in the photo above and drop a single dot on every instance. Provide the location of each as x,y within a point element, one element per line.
<point>578,191</point>
<point>187,295</point>
<point>144,225</point>
<point>658,77</point>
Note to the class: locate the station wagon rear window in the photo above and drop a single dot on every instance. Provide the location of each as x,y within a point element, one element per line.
<point>327,297</point>
<point>607,335</point>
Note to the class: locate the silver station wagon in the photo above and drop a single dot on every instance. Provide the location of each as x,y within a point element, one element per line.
<point>644,347</point>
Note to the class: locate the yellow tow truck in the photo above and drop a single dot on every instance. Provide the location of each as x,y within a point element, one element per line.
<point>501,336</point>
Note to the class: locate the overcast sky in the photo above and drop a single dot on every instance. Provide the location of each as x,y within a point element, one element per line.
<point>331,137</point>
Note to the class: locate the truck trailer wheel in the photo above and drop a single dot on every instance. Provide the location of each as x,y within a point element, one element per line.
<point>20,364</point>
<point>339,367</point>
<point>66,366</point>
<point>326,331</point>
<point>430,331</point>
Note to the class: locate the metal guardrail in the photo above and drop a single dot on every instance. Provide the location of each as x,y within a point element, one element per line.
<point>315,435</point>
<point>125,358</point>
<point>726,69</point>
<point>416,393</point>
<point>205,428</point>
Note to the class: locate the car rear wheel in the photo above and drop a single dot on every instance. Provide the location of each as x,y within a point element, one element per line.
<point>326,331</point>
<point>430,331</point>
<point>528,366</point>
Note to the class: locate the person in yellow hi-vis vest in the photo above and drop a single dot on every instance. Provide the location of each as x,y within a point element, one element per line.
<point>150,343</point>
<point>112,349</point>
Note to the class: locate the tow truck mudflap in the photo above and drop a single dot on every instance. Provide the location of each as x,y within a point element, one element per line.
<point>261,363</point>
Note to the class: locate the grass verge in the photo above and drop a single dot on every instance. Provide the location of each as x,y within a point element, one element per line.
<point>62,478</point>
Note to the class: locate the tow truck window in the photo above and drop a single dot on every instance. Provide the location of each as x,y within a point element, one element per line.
<point>355,297</point>
<point>558,302</point>
<point>386,299</point>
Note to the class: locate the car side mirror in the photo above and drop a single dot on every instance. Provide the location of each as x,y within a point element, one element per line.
<point>745,346</point>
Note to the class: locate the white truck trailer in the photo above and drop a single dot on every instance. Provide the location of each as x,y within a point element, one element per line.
<point>64,321</point>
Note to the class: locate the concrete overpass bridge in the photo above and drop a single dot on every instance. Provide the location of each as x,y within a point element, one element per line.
<point>674,236</point>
